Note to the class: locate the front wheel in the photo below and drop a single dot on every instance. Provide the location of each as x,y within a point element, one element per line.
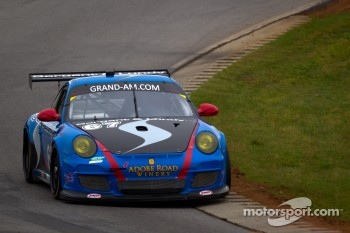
<point>55,175</point>
<point>28,160</point>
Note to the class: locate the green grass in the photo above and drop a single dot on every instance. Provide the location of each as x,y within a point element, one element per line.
<point>285,110</point>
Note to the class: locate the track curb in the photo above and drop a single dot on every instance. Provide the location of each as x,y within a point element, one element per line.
<point>187,61</point>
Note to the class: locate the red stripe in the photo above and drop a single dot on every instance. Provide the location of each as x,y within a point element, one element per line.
<point>112,162</point>
<point>188,156</point>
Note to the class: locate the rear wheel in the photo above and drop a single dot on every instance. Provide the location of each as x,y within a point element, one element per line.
<point>28,159</point>
<point>55,174</point>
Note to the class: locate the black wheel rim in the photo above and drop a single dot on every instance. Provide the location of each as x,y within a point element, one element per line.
<point>55,176</point>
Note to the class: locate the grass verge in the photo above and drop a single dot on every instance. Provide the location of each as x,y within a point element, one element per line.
<point>285,110</point>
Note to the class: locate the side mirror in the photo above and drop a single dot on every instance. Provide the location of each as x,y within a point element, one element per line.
<point>207,110</point>
<point>49,114</point>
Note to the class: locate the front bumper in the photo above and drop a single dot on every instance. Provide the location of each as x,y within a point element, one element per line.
<point>97,197</point>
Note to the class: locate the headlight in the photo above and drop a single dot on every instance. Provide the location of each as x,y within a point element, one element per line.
<point>84,146</point>
<point>207,142</point>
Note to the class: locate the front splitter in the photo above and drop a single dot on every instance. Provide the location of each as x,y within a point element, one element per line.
<point>100,197</point>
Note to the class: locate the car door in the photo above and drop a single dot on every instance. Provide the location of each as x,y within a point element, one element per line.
<point>49,130</point>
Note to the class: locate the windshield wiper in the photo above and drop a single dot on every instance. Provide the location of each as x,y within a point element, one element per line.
<point>135,103</point>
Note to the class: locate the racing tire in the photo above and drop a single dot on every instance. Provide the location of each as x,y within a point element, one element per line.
<point>28,160</point>
<point>55,174</point>
<point>228,171</point>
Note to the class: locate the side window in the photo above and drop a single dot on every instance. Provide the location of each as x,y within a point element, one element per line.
<point>59,101</point>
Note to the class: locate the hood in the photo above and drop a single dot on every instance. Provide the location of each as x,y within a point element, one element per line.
<point>136,136</point>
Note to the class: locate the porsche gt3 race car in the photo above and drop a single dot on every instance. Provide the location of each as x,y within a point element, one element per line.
<point>124,136</point>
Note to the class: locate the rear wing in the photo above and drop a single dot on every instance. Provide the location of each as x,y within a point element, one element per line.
<point>61,77</point>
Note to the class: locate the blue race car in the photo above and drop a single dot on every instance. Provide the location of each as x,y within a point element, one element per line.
<point>124,136</point>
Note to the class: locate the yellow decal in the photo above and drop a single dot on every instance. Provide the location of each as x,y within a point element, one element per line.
<point>151,161</point>
<point>72,98</point>
<point>183,96</point>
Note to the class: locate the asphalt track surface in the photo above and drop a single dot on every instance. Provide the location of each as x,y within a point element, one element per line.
<point>58,36</point>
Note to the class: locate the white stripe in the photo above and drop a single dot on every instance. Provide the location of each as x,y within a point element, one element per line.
<point>152,135</point>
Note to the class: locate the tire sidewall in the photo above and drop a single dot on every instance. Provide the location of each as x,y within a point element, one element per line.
<point>27,160</point>
<point>55,175</point>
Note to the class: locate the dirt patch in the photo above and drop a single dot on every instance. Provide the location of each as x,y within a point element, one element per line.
<point>331,7</point>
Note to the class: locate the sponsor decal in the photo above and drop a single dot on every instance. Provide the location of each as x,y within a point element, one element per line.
<point>151,161</point>
<point>153,170</point>
<point>125,165</point>
<point>65,75</point>
<point>98,159</point>
<point>94,195</point>
<point>98,125</point>
<point>115,123</point>
<point>69,177</point>
<point>134,73</point>
<point>125,87</point>
<point>92,126</point>
<point>206,193</point>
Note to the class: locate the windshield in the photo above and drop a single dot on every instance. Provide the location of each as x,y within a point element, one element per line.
<point>127,104</point>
